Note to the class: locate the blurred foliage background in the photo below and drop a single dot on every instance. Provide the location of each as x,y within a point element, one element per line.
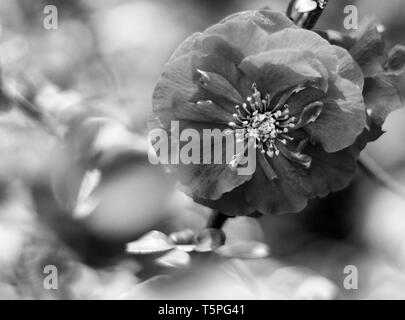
<point>93,78</point>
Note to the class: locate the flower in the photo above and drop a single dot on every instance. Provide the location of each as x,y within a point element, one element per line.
<point>286,91</point>
<point>367,46</point>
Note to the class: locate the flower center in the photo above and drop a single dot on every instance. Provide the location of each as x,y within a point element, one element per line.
<point>266,127</point>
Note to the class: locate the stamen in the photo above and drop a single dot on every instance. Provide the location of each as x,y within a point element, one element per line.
<point>244,106</point>
<point>233,164</point>
<point>232,124</point>
<point>267,129</point>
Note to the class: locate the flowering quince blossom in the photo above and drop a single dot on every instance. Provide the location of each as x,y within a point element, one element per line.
<point>288,92</point>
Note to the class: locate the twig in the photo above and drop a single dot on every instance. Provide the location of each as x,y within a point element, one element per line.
<point>369,166</point>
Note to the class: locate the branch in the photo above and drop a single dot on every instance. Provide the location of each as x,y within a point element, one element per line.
<point>216,220</point>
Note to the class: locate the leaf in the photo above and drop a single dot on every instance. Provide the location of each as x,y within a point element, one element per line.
<point>245,250</point>
<point>152,242</point>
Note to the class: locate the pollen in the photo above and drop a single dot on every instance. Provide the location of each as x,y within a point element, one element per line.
<point>266,127</point>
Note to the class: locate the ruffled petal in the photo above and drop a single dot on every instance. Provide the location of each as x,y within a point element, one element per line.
<point>366,45</point>
<point>210,181</point>
<point>220,57</point>
<point>257,21</point>
<point>269,21</point>
<point>369,47</point>
<point>348,68</point>
<point>277,70</point>
<point>200,111</point>
<point>231,203</point>
<point>342,119</point>
<point>301,98</point>
<point>300,159</point>
<point>218,86</point>
<point>246,36</point>
<point>303,40</point>
<point>309,114</point>
<point>395,64</point>
<point>188,45</point>
<point>180,95</point>
<point>328,172</point>
<point>336,38</point>
<point>249,31</point>
<point>381,98</point>
<point>211,176</point>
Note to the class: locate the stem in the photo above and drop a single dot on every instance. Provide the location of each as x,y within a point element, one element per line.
<point>369,166</point>
<point>32,111</point>
<point>216,220</point>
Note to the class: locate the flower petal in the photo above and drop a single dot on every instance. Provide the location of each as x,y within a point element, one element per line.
<point>343,117</point>
<point>231,203</point>
<point>245,36</point>
<point>395,64</point>
<point>266,166</point>
<point>310,113</point>
<point>248,31</point>
<point>178,96</point>
<point>303,97</point>
<point>348,68</point>
<point>277,70</point>
<point>187,46</point>
<point>270,21</point>
<point>337,38</point>
<point>201,111</point>
<point>328,172</point>
<point>369,48</point>
<point>304,40</point>
<point>217,55</point>
<point>231,27</point>
<point>218,86</point>
<point>210,180</point>
<point>381,98</point>
<point>299,158</point>
<point>220,57</point>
